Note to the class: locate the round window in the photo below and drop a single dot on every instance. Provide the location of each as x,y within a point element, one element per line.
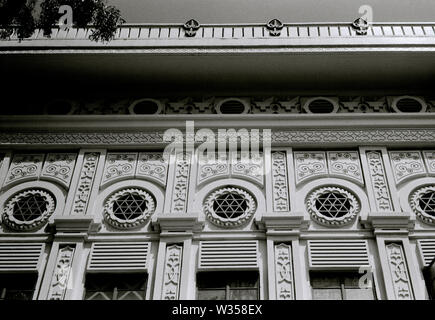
<point>423,204</point>
<point>229,207</point>
<point>332,206</point>
<point>232,106</point>
<point>129,208</point>
<point>29,209</point>
<point>409,105</point>
<point>145,106</point>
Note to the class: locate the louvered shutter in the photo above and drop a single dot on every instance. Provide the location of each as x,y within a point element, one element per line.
<point>427,250</point>
<point>16,257</point>
<point>118,256</point>
<point>228,254</point>
<point>338,253</point>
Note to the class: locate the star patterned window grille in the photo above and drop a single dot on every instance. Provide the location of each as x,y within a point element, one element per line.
<point>422,201</point>
<point>129,208</point>
<point>332,206</point>
<point>28,209</point>
<point>229,207</point>
<point>427,202</point>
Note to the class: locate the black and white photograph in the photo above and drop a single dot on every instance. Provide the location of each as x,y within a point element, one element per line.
<point>217,158</point>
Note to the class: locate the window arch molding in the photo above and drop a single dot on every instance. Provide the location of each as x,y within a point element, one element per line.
<point>357,191</point>
<point>256,192</point>
<point>150,188</point>
<point>54,189</point>
<point>406,192</point>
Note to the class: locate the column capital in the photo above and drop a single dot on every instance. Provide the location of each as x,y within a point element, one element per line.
<point>389,220</point>
<point>283,220</point>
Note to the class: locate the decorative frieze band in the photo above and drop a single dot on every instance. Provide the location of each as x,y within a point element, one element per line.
<point>172,272</point>
<point>280,187</point>
<point>296,137</point>
<point>86,180</point>
<point>284,272</point>
<point>61,275</point>
<point>399,272</point>
<point>379,182</point>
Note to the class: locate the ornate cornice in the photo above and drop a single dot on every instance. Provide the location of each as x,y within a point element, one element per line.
<point>279,137</point>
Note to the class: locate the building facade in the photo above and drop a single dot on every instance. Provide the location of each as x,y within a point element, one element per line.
<point>334,197</point>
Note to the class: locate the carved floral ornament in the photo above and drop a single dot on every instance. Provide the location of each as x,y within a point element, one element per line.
<point>129,208</point>
<point>332,206</point>
<point>28,210</point>
<point>423,203</point>
<point>275,26</point>
<point>229,207</point>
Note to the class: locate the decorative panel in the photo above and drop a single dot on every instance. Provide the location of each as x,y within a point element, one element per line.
<point>309,165</point>
<point>152,166</point>
<point>24,167</point>
<point>284,272</point>
<point>119,165</point>
<point>427,250</point>
<point>379,182</point>
<point>118,256</point>
<point>181,182</point>
<point>61,276</point>
<point>399,272</point>
<point>172,272</point>
<point>338,253</point>
<point>406,164</point>
<point>241,254</point>
<point>346,164</point>
<point>248,166</point>
<point>20,256</point>
<point>212,168</point>
<point>59,167</point>
<point>429,158</point>
<point>86,180</point>
<point>280,188</point>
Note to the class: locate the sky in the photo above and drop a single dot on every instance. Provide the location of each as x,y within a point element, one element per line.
<point>261,11</point>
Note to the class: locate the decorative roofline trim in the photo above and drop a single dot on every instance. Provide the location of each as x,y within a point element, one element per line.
<point>158,36</point>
